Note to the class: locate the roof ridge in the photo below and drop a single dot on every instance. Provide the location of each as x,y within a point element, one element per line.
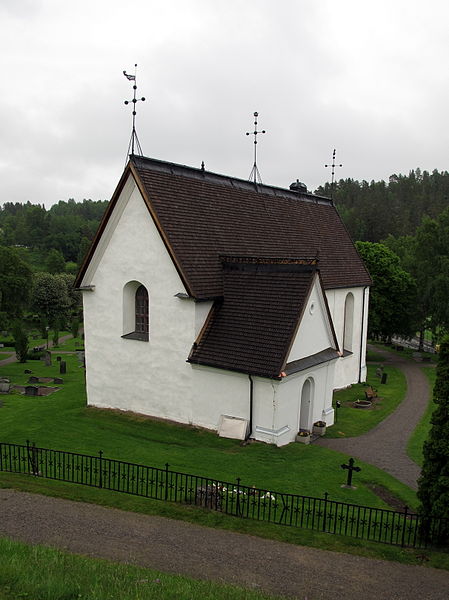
<point>276,260</point>
<point>201,174</point>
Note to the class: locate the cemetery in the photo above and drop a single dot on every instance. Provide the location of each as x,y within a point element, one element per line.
<point>62,421</point>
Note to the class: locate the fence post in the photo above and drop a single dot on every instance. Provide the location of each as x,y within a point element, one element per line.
<point>33,458</point>
<point>404,526</point>
<point>100,454</point>
<point>1,457</point>
<point>237,504</point>
<point>325,510</point>
<point>166,481</point>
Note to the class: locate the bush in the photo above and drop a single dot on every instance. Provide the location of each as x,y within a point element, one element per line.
<point>20,342</point>
<point>75,328</point>
<point>35,355</point>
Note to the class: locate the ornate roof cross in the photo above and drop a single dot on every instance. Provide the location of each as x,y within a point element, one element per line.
<point>333,165</point>
<point>134,139</point>
<point>255,175</point>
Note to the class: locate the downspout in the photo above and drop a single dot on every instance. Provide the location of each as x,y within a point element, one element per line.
<point>362,333</point>
<point>251,394</point>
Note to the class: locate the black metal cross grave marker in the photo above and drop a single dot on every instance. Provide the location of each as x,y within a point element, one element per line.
<point>350,467</point>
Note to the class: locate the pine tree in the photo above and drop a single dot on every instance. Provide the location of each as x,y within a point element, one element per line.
<point>433,485</point>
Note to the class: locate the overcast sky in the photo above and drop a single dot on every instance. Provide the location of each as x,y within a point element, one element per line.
<point>367,78</point>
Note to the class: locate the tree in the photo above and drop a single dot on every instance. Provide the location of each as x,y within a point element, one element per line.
<point>433,485</point>
<point>15,285</point>
<point>20,342</point>
<point>392,296</point>
<point>371,211</point>
<point>50,298</point>
<point>75,327</point>
<point>83,249</point>
<point>55,262</point>
<point>432,267</point>
<point>75,303</point>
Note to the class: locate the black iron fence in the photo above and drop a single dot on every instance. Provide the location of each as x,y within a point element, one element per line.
<point>231,498</point>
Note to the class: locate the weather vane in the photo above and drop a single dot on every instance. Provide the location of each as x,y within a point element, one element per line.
<point>333,165</point>
<point>255,175</point>
<point>134,139</point>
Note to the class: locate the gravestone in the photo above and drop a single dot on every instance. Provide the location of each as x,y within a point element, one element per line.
<point>81,357</point>
<point>58,380</point>
<point>33,379</point>
<point>59,358</point>
<point>384,378</point>
<point>28,371</point>
<point>62,367</point>
<point>5,385</point>
<point>47,358</point>
<point>31,390</point>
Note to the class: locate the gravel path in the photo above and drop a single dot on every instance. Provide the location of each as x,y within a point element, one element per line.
<point>203,553</point>
<point>62,339</point>
<point>385,445</point>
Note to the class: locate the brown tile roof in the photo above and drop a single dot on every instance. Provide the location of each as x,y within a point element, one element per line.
<point>252,327</point>
<point>203,215</point>
<point>311,361</point>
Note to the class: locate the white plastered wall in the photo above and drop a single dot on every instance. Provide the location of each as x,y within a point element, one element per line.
<point>145,377</point>
<point>277,404</point>
<point>349,368</point>
<point>314,332</point>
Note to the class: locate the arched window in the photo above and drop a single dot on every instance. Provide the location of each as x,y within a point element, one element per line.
<point>136,311</point>
<point>142,320</point>
<point>349,323</point>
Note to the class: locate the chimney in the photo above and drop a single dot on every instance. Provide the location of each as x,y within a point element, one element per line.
<point>298,186</point>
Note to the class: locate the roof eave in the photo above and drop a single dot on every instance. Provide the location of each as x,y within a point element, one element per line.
<point>86,261</point>
<point>235,369</point>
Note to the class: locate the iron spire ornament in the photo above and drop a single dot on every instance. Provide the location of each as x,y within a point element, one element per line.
<point>255,175</point>
<point>134,141</point>
<point>333,165</point>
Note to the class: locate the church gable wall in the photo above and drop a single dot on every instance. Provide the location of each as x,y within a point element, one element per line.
<point>149,377</point>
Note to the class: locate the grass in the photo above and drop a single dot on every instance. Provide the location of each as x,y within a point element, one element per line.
<point>43,573</point>
<point>218,520</point>
<point>374,356</point>
<point>406,352</point>
<point>417,439</point>
<point>354,421</point>
<point>62,421</point>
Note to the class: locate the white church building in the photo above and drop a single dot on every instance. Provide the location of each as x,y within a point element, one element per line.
<point>221,303</point>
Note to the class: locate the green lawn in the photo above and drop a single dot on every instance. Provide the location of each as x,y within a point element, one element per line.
<point>374,356</point>
<point>352,421</point>
<point>42,573</point>
<point>62,421</point>
<point>406,352</point>
<point>417,439</point>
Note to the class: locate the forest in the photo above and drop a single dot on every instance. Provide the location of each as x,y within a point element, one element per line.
<point>40,253</point>
<point>400,228</point>
<point>373,211</point>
